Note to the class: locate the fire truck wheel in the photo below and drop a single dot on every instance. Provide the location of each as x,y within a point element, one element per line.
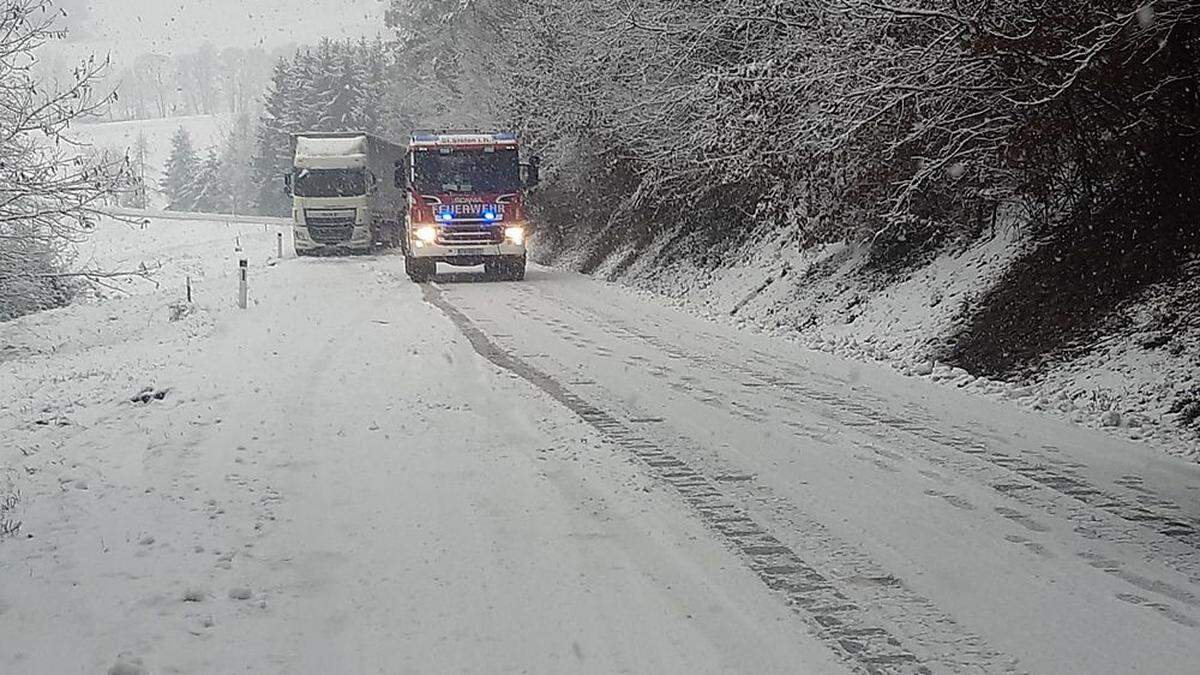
<point>419,270</point>
<point>493,268</point>
<point>515,268</point>
<point>508,268</point>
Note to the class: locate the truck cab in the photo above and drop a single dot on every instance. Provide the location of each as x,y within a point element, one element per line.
<point>347,196</point>
<point>466,203</point>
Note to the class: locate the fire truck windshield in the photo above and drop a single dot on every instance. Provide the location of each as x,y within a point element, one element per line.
<point>472,170</point>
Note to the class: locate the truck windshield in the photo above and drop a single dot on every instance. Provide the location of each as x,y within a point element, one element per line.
<point>330,182</point>
<point>467,171</point>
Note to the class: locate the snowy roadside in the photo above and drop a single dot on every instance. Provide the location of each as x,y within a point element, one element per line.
<point>331,481</point>
<point>816,299</point>
<point>156,214</point>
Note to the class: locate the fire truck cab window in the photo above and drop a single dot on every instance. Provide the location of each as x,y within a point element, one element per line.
<point>469,170</point>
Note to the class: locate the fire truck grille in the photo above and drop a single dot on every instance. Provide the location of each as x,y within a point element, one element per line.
<point>475,236</point>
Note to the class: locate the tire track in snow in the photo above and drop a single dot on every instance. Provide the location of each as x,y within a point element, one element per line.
<point>1176,537</point>
<point>822,602</point>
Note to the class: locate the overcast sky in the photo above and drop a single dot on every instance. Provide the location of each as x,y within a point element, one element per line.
<point>130,27</point>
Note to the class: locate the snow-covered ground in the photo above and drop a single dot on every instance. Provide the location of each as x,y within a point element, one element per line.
<point>821,297</point>
<point>360,474</point>
<point>332,481</point>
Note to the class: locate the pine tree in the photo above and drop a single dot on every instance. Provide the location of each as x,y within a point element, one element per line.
<point>273,140</point>
<point>371,77</point>
<point>308,91</point>
<point>137,156</point>
<point>211,185</point>
<point>179,181</point>
<point>237,165</point>
<point>344,93</point>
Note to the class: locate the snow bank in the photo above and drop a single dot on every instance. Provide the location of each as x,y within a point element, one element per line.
<point>827,298</point>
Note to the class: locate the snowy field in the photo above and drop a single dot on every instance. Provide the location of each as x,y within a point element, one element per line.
<point>205,130</point>
<point>359,474</point>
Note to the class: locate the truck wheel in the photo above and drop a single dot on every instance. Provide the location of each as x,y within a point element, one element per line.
<point>419,270</point>
<point>493,268</point>
<point>514,268</point>
<point>506,268</point>
<point>517,269</point>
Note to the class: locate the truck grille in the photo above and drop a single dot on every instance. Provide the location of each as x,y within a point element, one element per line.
<point>329,226</point>
<point>470,236</point>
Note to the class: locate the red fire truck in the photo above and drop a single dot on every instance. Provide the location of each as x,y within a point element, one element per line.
<point>466,203</point>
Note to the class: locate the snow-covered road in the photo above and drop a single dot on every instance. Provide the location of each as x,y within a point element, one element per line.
<point>358,474</point>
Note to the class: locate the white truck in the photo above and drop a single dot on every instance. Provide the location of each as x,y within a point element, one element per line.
<point>348,193</point>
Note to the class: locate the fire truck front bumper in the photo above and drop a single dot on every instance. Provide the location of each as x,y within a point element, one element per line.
<point>429,244</point>
<point>465,256</point>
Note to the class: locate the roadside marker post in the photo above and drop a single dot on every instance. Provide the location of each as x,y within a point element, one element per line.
<point>279,244</point>
<point>243,269</point>
<point>189,290</point>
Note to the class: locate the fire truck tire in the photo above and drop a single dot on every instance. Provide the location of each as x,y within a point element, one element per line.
<point>419,270</point>
<point>507,268</point>
<point>515,268</point>
<point>493,268</point>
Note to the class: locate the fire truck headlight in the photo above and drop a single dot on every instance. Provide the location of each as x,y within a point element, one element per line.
<point>427,234</point>
<point>515,234</point>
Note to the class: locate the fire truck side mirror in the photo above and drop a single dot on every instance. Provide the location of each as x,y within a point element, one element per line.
<point>532,174</point>
<point>287,184</point>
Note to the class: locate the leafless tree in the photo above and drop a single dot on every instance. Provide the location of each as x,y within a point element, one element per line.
<point>50,188</point>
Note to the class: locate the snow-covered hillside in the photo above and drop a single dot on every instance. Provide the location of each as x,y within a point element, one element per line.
<point>205,131</point>
<point>1128,382</point>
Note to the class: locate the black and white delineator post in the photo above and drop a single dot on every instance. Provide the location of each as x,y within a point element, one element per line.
<point>243,269</point>
<point>279,245</point>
